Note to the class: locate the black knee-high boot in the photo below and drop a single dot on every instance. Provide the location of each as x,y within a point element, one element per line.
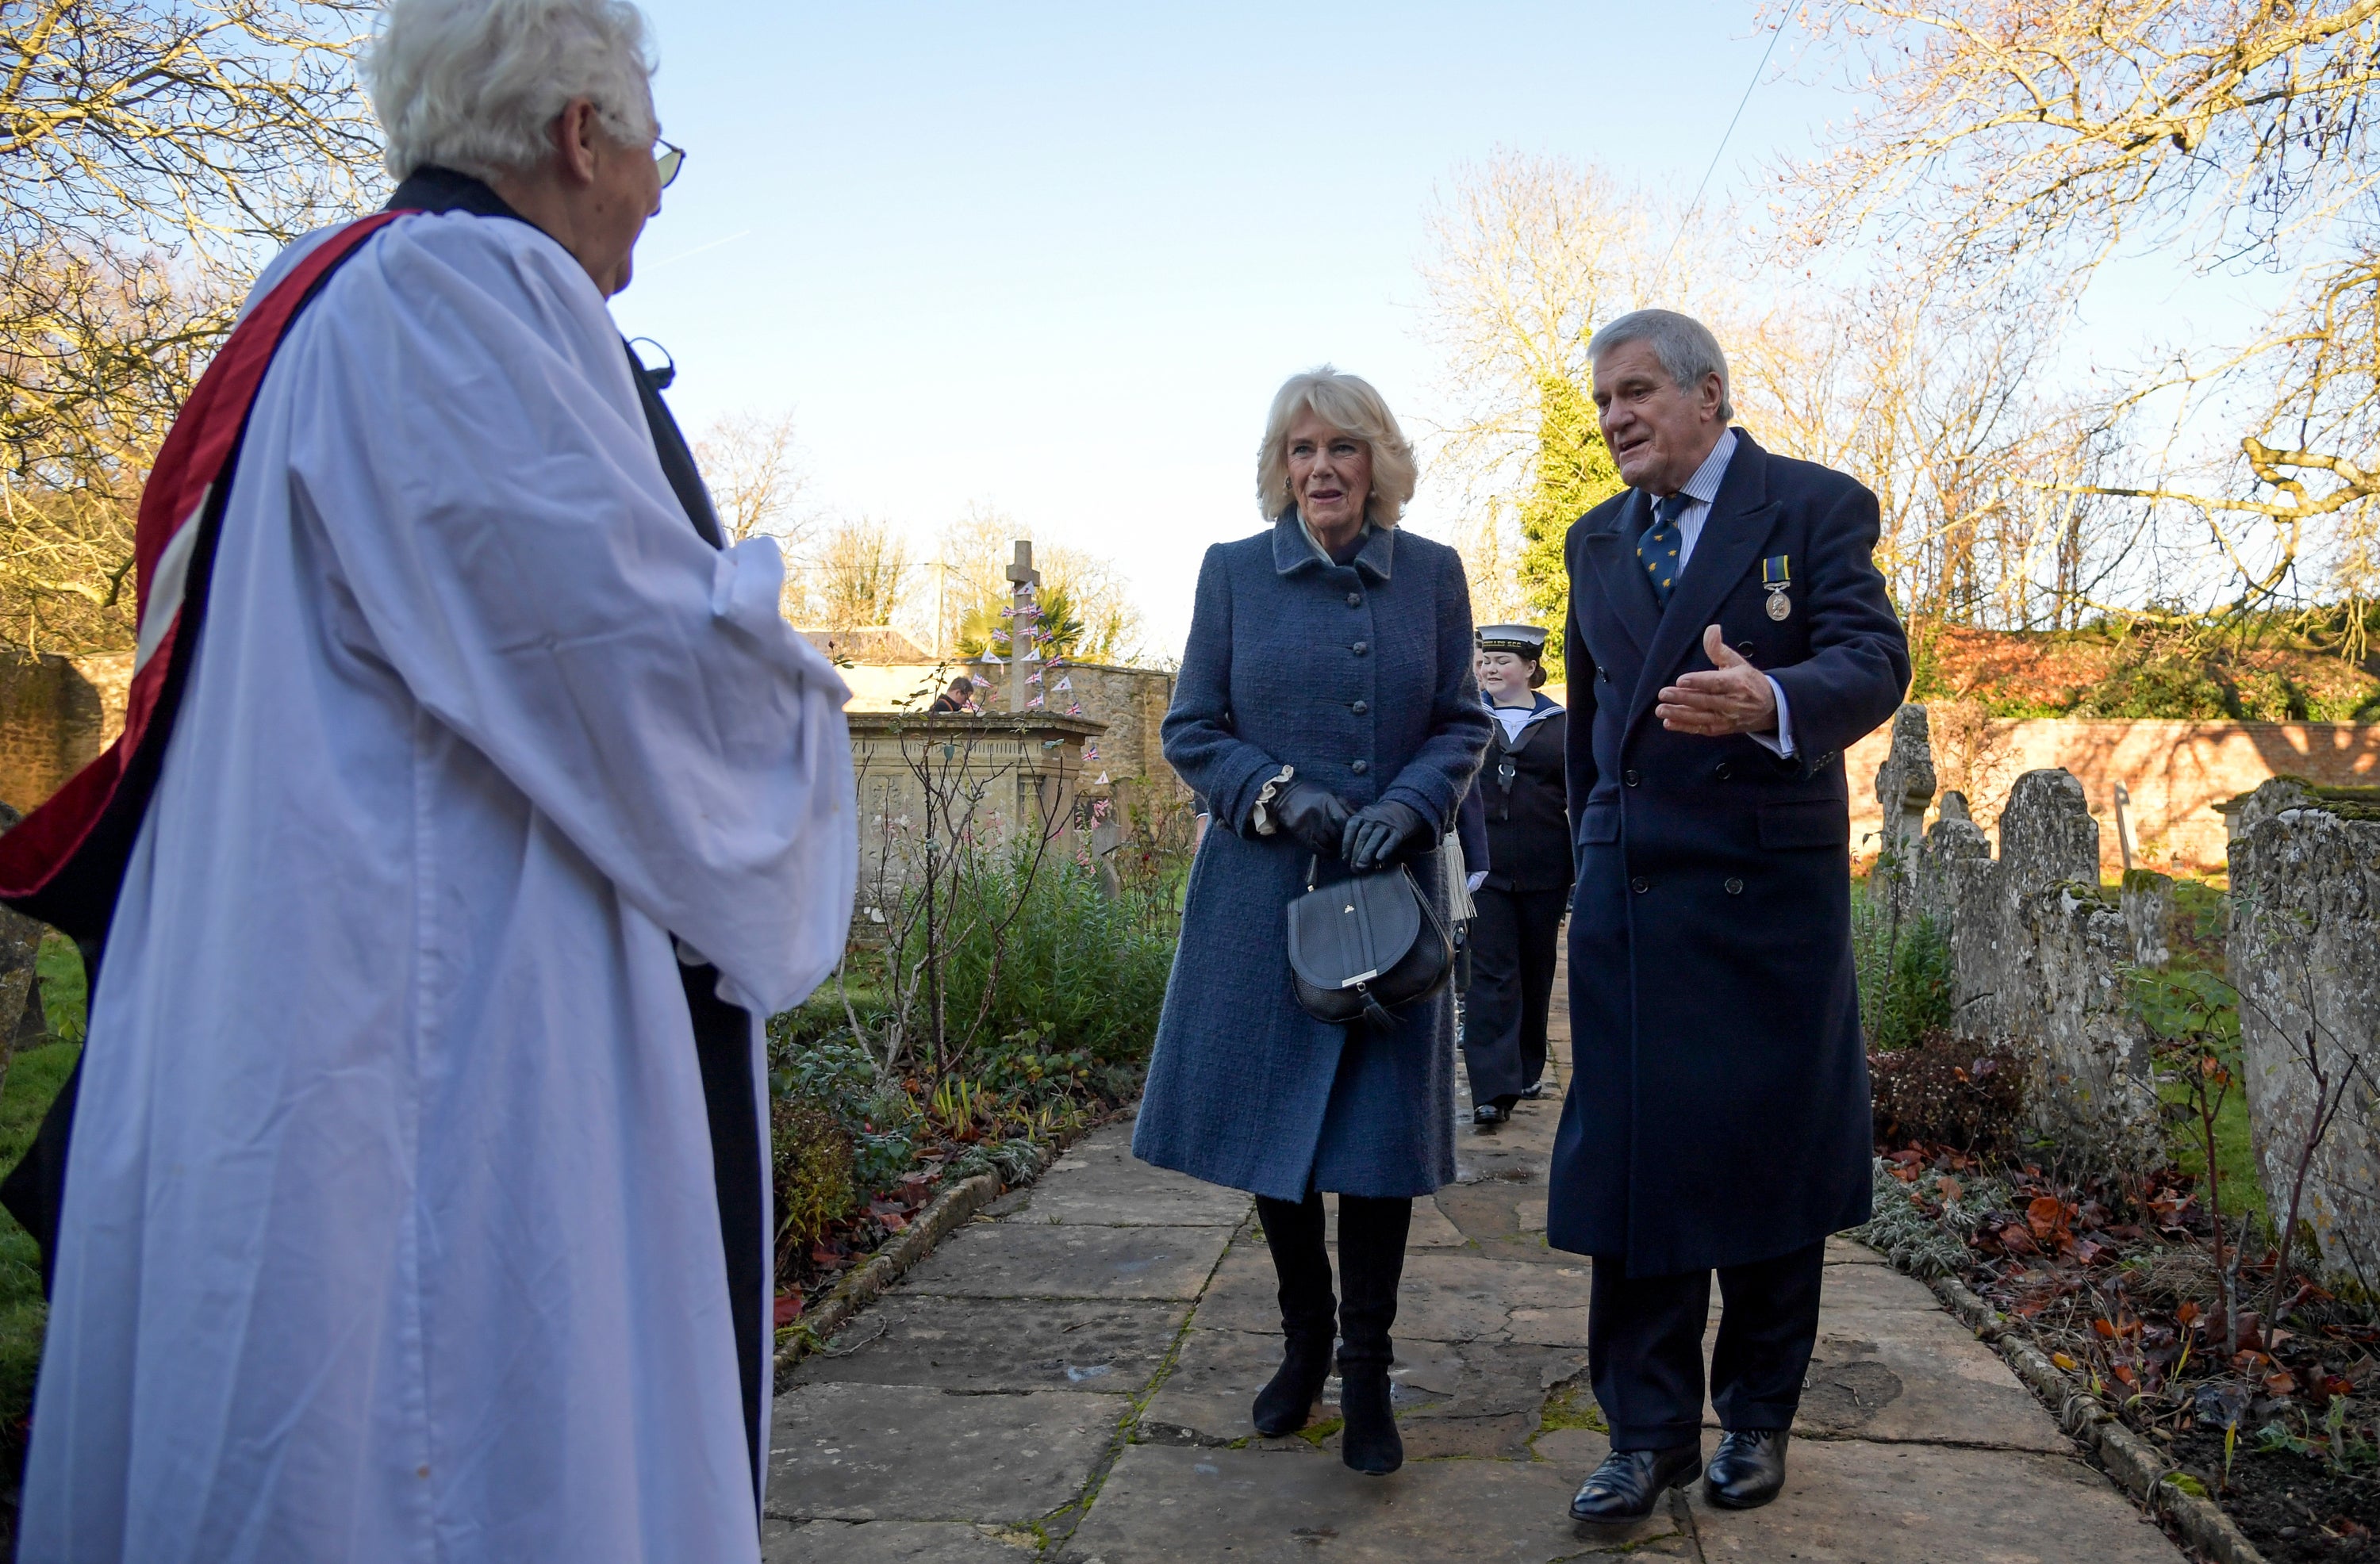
<point>1292,1231</point>
<point>1371,1262</point>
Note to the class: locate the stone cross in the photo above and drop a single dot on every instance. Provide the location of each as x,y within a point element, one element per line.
<point>1904,786</point>
<point>1024,610</point>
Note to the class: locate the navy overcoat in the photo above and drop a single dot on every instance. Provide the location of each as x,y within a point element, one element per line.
<point>1719,1103</point>
<point>1359,676</point>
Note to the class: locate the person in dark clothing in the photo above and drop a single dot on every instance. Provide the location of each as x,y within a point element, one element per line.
<point>1729,636</point>
<point>1520,904</point>
<point>953,700</point>
<point>1326,712</point>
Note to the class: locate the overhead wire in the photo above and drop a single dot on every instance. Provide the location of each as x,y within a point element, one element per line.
<point>1696,205</point>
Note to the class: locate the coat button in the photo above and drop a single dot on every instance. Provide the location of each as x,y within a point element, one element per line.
<point>1630,777</point>
<point>1360,647</point>
<point>1361,706</point>
<point>1723,771</point>
<point>1360,767</point>
<point>1734,887</point>
<point>1743,646</point>
<point>1600,676</point>
<point>1354,599</point>
<point>1640,885</point>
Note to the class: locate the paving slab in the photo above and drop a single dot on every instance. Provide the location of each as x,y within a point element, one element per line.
<point>1448,1295</point>
<point>1026,1259</point>
<point>1904,1375</point>
<point>890,1542</point>
<point>1841,1251</point>
<point>1005,1344</point>
<point>1452,1399</point>
<point>1099,1182</point>
<point>901,1452</point>
<point>1430,1229</point>
<point>1181,1505</point>
<point>1856,1502</point>
<point>1875,1287</point>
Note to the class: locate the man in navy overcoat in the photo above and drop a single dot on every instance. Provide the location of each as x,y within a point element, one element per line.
<point>1729,637</point>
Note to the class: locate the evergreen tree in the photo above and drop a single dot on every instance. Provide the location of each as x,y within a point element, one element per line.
<point>1575,473</point>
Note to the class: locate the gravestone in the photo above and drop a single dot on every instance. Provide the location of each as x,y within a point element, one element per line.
<point>1904,786</point>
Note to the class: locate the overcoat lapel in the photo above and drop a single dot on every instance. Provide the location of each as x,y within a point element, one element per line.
<point>1622,579</point>
<point>1739,523</point>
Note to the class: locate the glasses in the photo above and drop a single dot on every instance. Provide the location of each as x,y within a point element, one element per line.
<point>669,159</point>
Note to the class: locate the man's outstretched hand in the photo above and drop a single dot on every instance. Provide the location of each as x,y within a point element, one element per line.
<point>1733,697</point>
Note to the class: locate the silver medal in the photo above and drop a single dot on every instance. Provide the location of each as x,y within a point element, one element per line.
<point>1780,605</point>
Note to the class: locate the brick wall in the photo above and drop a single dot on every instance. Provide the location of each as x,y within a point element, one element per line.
<point>2175,773</point>
<point>56,714</point>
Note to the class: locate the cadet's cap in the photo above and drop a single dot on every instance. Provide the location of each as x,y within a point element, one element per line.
<point>1525,639</point>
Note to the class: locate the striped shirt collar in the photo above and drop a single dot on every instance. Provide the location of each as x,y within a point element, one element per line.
<point>1703,486</point>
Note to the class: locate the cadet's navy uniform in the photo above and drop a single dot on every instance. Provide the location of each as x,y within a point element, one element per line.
<point>1515,932</point>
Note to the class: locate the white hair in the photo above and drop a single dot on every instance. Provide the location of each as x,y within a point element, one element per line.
<point>1684,346</point>
<point>1347,402</point>
<point>476,85</point>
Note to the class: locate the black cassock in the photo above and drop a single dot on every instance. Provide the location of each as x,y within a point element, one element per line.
<point>1515,933</point>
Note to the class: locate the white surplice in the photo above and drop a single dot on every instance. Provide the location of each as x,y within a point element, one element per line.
<point>390,1230</point>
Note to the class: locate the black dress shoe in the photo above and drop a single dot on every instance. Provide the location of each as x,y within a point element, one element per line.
<point>1630,1483</point>
<point>1534,1090</point>
<point>1286,1404</point>
<point>1488,1115</point>
<point>1749,1469</point>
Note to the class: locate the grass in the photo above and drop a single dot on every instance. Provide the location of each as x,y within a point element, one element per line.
<point>2235,1158</point>
<point>34,1076</point>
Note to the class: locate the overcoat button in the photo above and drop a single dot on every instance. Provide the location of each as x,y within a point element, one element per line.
<point>1640,885</point>
<point>1630,777</point>
<point>1601,676</point>
<point>1743,646</point>
<point>1734,887</point>
<point>1360,647</point>
<point>1354,599</point>
<point>1722,770</point>
<point>1360,767</point>
<point>1361,706</point>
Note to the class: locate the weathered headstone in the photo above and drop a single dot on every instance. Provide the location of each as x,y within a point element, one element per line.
<point>1904,784</point>
<point>2305,921</point>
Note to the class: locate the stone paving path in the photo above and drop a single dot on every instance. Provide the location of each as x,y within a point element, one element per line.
<point>1067,1379</point>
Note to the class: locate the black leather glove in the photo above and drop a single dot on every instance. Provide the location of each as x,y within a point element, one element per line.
<point>1310,814</point>
<point>1380,835</point>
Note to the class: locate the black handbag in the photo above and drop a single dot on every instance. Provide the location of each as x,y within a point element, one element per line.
<point>1362,946</point>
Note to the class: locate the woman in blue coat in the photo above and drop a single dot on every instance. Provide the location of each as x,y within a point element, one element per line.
<point>1325,709</point>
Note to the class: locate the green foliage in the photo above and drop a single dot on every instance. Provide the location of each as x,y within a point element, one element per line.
<point>1905,979</point>
<point>811,1159</point>
<point>1083,971</point>
<point>815,1060</point>
<point>64,993</point>
<point>2193,1017</point>
<point>2347,1452</point>
<point>1574,474</point>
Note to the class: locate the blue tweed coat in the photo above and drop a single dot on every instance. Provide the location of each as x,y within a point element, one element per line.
<point>1359,676</point>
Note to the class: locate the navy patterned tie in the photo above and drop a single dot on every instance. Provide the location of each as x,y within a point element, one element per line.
<point>1658,549</point>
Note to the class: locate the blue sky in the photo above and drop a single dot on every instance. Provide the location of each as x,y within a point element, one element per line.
<point>1055,258</point>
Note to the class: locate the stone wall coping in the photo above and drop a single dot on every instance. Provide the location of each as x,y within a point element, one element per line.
<point>2347,803</point>
<point>887,723</point>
